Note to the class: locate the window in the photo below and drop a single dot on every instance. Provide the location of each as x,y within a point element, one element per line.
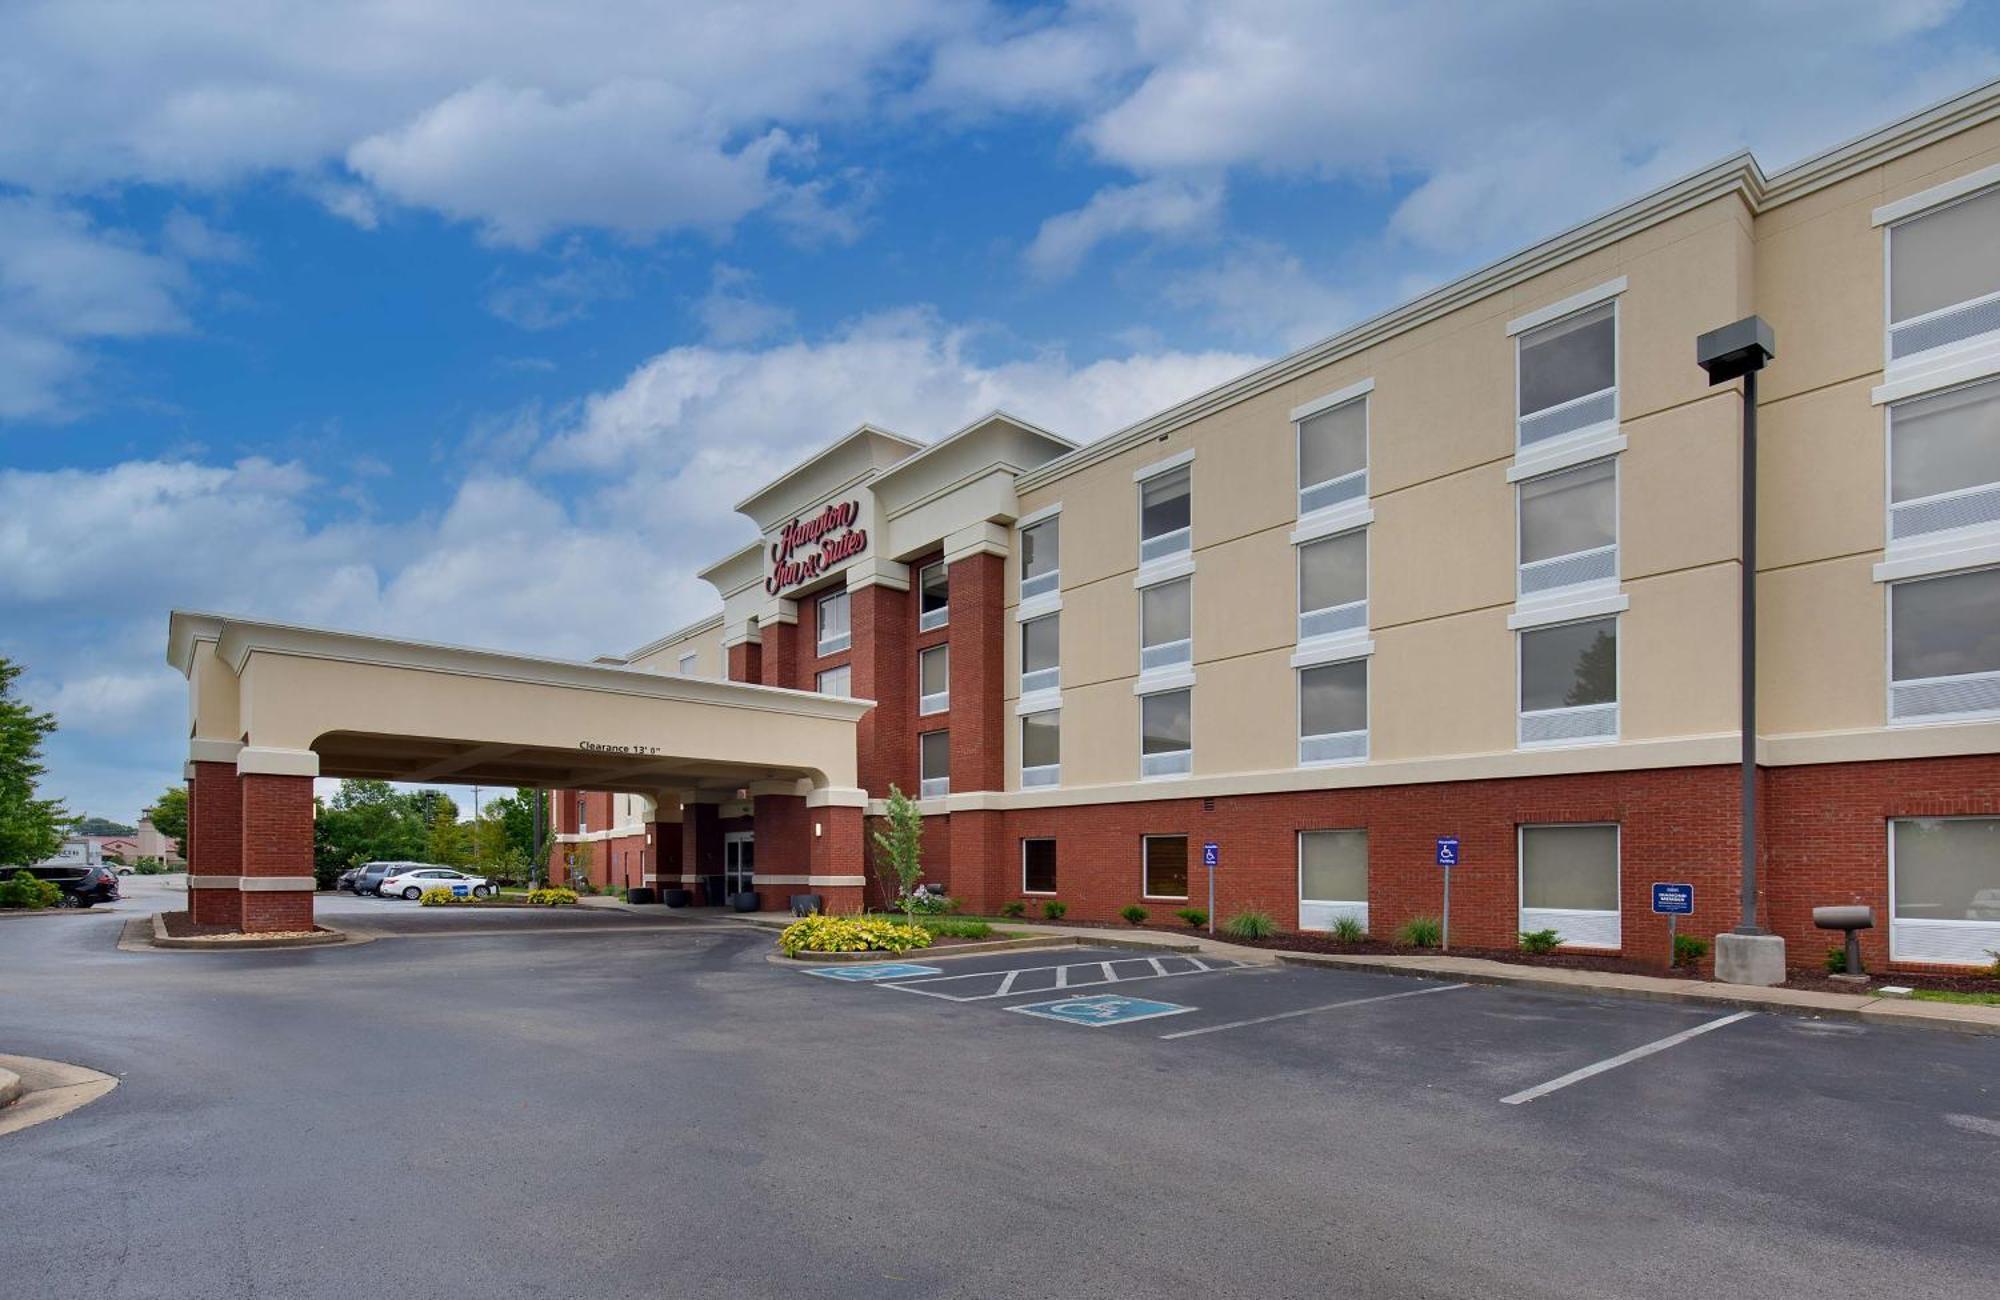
<point>1333,585</point>
<point>1944,880</point>
<point>1333,712</point>
<point>1944,461</point>
<point>1333,878</point>
<point>1041,749</point>
<point>1569,883</point>
<point>687,664</point>
<point>1166,733</point>
<point>835,632</point>
<point>1333,456</point>
<point>1166,866</point>
<point>934,764</point>
<point>1944,276</point>
<point>1164,515</point>
<point>837,681</point>
<point>582,821</point>
<point>933,596</point>
<point>1041,558</point>
<point>1038,866</point>
<point>1166,625</point>
<point>1944,646</point>
<point>1041,668</point>
<point>934,680</point>
<point>1568,377</point>
<point>1569,529</point>
<point>1569,682</point>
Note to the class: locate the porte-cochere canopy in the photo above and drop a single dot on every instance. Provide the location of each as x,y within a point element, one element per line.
<point>270,706</point>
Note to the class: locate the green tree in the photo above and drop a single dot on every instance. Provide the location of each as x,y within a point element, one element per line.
<point>899,846</point>
<point>169,815</point>
<point>449,840</point>
<point>372,821</point>
<point>31,829</point>
<point>516,814</point>
<point>102,826</point>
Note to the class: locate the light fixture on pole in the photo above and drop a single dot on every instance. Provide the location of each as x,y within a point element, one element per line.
<point>1746,955</point>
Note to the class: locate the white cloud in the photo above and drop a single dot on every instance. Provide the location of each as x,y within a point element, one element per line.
<point>1259,291</point>
<point>580,279</point>
<point>731,312</point>
<point>1168,208</point>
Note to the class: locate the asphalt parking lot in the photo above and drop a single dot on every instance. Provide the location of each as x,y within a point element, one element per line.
<point>662,1109</point>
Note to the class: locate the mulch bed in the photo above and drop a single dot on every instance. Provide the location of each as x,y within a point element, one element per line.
<point>1514,956</point>
<point>1822,982</point>
<point>182,926</point>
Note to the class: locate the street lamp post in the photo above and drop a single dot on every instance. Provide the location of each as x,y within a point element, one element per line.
<point>1746,955</point>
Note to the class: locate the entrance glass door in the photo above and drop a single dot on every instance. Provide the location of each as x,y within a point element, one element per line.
<point>739,854</point>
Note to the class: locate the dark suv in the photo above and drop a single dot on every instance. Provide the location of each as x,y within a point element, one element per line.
<point>82,884</point>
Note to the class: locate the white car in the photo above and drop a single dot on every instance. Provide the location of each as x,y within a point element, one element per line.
<point>411,883</point>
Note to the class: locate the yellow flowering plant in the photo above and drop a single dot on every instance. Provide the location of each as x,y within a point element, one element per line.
<point>817,933</point>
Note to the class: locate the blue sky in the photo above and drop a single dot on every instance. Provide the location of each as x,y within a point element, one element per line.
<point>464,321</point>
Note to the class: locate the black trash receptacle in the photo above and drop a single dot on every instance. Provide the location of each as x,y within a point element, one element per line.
<point>642,894</point>
<point>807,904</point>
<point>679,897</point>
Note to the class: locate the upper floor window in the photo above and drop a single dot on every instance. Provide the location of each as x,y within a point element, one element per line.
<point>1944,276</point>
<point>934,680</point>
<point>1333,712</point>
<point>934,764</point>
<point>1041,663</point>
<point>1166,733</point>
<point>1333,585</point>
<point>1569,682</point>
<point>1944,646</point>
<point>1041,558</point>
<point>1333,456</point>
<point>1165,506</point>
<point>837,681</point>
<point>933,596</point>
<point>1166,625</point>
<point>687,664</point>
<point>1568,378</point>
<point>835,632</point>
<point>1569,528</point>
<point>1944,461</point>
<point>1041,748</point>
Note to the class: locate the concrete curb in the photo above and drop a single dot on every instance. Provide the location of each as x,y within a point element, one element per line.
<point>1861,1007</point>
<point>47,1090</point>
<point>10,1087</point>
<point>973,949</point>
<point>161,939</point>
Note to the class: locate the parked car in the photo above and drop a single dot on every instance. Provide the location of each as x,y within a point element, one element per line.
<point>82,884</point>
<point>412,884</point>
<point>350,880</point>
<point>374,873</point>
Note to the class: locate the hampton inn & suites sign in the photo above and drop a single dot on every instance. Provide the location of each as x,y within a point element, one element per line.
<point>811,545</point>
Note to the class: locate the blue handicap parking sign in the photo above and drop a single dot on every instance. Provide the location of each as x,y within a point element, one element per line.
<point>1672,899</point>
<point>460,890</point>
<point>875,970</point>
<point>1211,855</point>
<point>1447,850</point>
<point>1101,1010</point>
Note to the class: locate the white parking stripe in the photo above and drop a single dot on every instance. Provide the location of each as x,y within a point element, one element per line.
<point>1007,983</point>
<point>1070,975</point>
<point>1623,1058</point>
<point>1307,1011</point>
<point>1110,976</point>
<point>1062,977</point>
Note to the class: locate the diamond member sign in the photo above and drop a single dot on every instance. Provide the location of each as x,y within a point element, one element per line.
<point>794,559</point>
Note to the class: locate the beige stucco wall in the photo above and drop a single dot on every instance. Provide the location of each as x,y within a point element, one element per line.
<point>710,660</point>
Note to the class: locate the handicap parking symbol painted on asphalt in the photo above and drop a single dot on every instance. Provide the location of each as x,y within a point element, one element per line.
<point>1101,1010</point>
<point>880,970</point>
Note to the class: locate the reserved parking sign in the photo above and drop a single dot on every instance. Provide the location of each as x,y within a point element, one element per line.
<point>1673,899</point>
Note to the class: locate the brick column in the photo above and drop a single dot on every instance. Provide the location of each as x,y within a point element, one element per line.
<point>277,852</point>
<point>978,743</point>
<point>663,864</point>
<point>837,850</point>
<point>781,656</point>
<point>784,850</point>
<point>746,662</point>
<point>884,670</point>
<point>701,845</point>
<point>215,844</point>
<point>980,879</point>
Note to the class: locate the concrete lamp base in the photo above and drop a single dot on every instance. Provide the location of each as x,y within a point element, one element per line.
<point>1757,959</point>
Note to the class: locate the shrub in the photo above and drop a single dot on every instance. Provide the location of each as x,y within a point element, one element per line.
<point>556,897</point>
<point>1836,961</point>
<point>1194,916</point>
<point>1250,925</point>
<point>1421,932</point>
<point>957,927</point>
<point>1539,941</point>
<point>28,890</point>
<point>440,898</point>
<point>922,902</point>
<point>819,933</point>
<point>1133,913</point>
<point>1347,929</point>
<point>1053,910</point>
<point>1688,950</point>
<point>1014,908</point>
<point>149,867</point>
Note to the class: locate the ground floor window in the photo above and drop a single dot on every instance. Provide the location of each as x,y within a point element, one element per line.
<point>1038,866</point>
<point>1166,866</point>
<point>1944,877</point>
<point>934,764</point>
<point>1333,878</point>
<point>1569,883</point>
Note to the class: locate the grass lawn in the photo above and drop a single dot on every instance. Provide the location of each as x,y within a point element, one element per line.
<point>1942,995</point>
<point>949,927</point>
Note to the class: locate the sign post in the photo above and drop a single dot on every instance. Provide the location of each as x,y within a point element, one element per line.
<point>1674,901</point>
<point>1211,857</point>
<point>1447,857</point>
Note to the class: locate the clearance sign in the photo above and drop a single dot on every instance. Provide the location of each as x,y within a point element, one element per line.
<point>809,547</point>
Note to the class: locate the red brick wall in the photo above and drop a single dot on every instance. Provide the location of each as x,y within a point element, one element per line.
<point>837,851</point>
<point>277,841</point>
<point>215,847</point>
<point>884,665</point>
<point>746,662</point>
<point>978,745</point>
<point>780,658</point>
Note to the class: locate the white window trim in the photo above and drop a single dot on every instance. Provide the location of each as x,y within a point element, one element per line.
<point>1330,909</point>
<point>1343,518</point>
<point>1533,613</point>
<point>1569,306</point>
<point>1939,369</point>
<point>1353,635</point>
<point>938,702</point>
<point>1936,196</point>
<point>1987,942</point>
<point>1892,681</point>
<point>1566,452</point>
<point>933,787</point>
<point>1299,719</point>
<point>1332,649</point>
<point>1159,467</point>
<point>1045,774</point>
<point>1141,736</point>
<point>1034,517</point>
<point>1039,893</point>
<point>1052,687</point>
<point>1947,364</point>
<point>932,620</point>
<point>1176,566</point>
<point>1168,679</point>
<point>1528,608</point>
<point>841,640</point>
<point>1353,505</point>
<point>1144,840</point>
<point>1938,551</point>
<point>1038,702</point>
<point>1021,525</point>
<point>1338,397</point>
<point>1030,610</point>
<point>1616,705</point>
<point>1521,909</point>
